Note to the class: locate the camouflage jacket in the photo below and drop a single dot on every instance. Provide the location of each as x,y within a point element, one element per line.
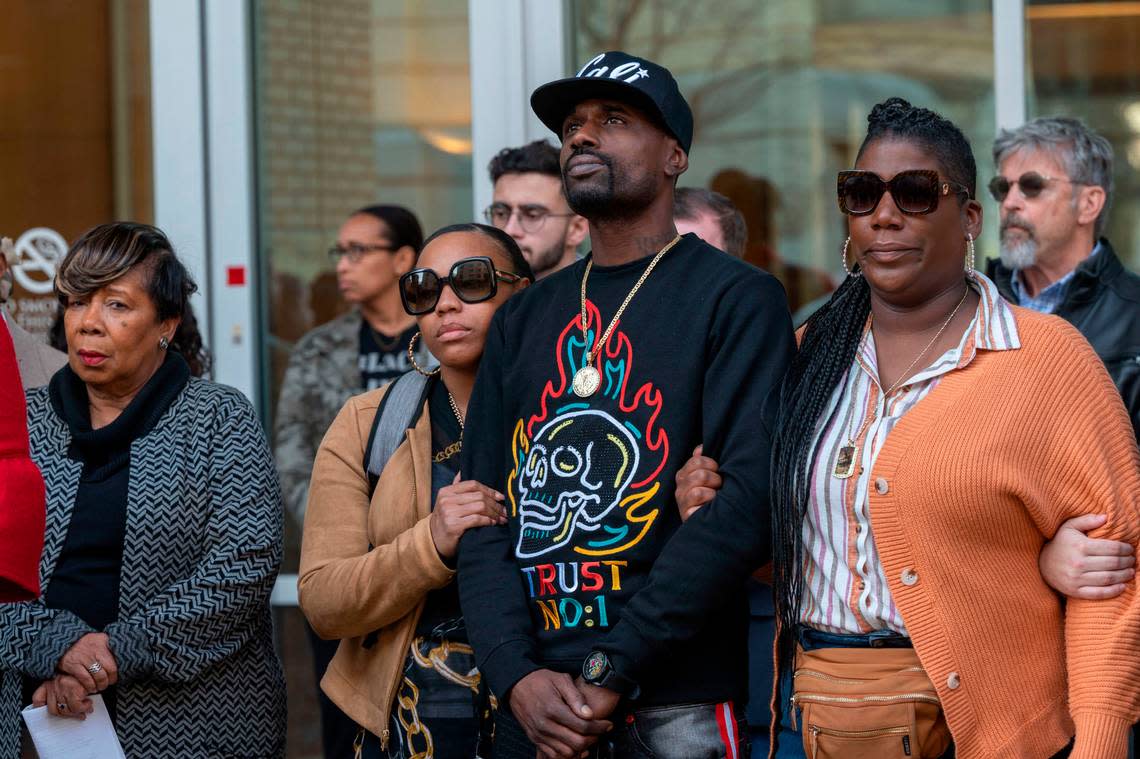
<point>323,373</point>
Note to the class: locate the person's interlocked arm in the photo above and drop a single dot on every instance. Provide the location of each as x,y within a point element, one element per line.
<point>490,583</point>
<point>711,554</point>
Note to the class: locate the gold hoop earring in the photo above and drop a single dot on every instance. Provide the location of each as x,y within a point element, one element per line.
<point>970,256</point>
<point>412,357</point>
<point>850,272</point>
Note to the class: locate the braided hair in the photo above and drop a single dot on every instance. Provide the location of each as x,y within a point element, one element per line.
<point>898,119</point>
<point>830,340</point>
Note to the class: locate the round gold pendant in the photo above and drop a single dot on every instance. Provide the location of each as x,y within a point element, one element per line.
<point>586,381</point>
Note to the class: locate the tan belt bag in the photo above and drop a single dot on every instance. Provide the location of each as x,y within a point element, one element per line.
<point>867,703</point>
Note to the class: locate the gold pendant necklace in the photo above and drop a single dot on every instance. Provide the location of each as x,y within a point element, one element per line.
<point>848,456</point>
<point>588,379</point>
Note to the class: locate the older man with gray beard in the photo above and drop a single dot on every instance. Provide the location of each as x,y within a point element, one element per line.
<point>1054,188</point>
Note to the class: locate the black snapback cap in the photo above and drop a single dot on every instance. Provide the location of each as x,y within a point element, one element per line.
<point>618,76</point>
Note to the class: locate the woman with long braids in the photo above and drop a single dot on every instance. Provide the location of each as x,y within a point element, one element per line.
<point>379,549</point>
<point>929,440</point>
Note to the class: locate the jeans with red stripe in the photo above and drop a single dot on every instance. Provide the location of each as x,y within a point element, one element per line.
<point>685,731</point>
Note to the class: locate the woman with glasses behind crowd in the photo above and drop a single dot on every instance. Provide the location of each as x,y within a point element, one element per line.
<point>387,508</point>
<point>358,351</point>
<point>930,438</point>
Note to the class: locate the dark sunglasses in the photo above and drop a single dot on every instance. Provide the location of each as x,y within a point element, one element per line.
<point>915,191</point>
<point>473,280</point>
<point>1031,183</point>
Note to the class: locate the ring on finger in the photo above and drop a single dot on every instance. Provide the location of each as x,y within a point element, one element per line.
<point>61,706</point>
<point>95,668</point>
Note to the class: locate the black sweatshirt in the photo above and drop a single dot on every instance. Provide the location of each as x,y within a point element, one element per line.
<point>594,555</point>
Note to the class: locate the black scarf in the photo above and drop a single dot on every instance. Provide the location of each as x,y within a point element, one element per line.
<point>107,445</point>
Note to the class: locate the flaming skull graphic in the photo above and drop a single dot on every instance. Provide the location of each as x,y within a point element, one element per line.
<point>577,468</point>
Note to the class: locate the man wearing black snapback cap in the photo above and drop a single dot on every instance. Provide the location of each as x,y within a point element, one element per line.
<point>594,602</point>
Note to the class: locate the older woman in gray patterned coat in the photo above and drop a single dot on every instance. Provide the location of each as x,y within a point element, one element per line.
<point>164,521</point>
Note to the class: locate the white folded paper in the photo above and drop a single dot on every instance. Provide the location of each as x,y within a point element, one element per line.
<point>67,738</point>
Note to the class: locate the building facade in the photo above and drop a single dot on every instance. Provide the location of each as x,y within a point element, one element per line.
<point>249,129</point>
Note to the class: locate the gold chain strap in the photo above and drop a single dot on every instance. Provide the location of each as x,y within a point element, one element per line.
<point>410,721</point>
<point>408,700</point>
<point>436,659</point>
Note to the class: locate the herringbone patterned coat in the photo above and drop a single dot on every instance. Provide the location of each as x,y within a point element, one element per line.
<point>199,676</point>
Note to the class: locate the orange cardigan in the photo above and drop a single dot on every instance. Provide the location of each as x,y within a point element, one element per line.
<point>968,487</point>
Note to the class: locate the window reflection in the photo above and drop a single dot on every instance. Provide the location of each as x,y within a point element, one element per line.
<point>357,102</point>
<point>780,93</point>
<point>1084,61</point>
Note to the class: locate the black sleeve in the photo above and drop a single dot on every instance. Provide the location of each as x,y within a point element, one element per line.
<point>1126,374</point>
<point>711,554</point>
<point>490,585</point>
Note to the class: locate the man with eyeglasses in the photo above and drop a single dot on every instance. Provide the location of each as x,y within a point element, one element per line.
<point>1054,187</point>
<point>602,623</point>
<point>530,205</point>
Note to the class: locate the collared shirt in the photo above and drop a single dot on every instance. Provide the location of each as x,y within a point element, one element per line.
<point>1048,300</point>
<point>845,587</point>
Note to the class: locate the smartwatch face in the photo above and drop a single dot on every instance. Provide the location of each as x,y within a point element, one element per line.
<point>595,666</point>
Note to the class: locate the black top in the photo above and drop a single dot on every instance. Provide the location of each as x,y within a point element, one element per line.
<point>594,554</point>
<point>382,358</point>
<point>441,617</point>
<point>86,577</point>
<point>1103,302</point>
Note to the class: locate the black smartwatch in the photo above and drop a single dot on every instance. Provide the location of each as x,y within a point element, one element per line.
<point>597,670</point>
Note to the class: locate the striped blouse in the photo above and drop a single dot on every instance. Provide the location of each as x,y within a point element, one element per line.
<point>845,589</point>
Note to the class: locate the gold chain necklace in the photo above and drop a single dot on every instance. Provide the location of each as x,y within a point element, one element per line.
<point>588,378</point>
<point>845,461</point>
<point>457,446</point>
<point>455,410</point>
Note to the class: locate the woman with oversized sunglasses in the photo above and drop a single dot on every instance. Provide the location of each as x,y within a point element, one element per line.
<point>929,440</point>
<point>378,558</point>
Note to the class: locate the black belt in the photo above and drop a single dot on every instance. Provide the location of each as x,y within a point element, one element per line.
<point>811,639</point>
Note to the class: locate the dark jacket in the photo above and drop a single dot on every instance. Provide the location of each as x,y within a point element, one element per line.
<point>1103,302</point>
<point>198,672</point>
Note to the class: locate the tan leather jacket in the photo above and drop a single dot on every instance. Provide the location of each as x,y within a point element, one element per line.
<point>367,567</point>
